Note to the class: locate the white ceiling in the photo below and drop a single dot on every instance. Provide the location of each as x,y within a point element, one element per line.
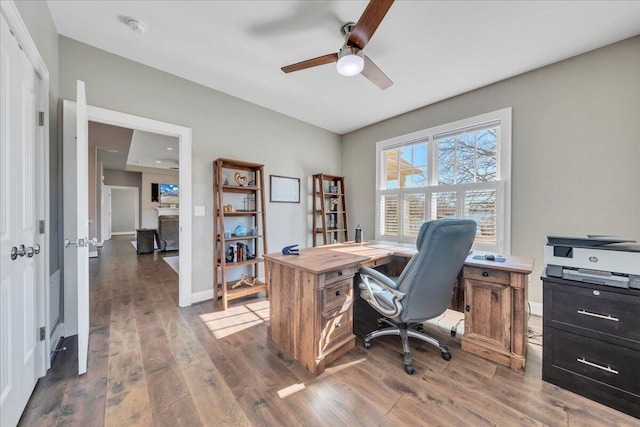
<point>431,50</point>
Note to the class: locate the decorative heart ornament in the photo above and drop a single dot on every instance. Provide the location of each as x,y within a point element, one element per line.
<point>241,180</point>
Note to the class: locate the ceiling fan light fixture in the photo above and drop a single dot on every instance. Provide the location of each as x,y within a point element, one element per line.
<point>350,61</point>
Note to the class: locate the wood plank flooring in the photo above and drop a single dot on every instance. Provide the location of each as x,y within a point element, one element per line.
<point>154,364</point>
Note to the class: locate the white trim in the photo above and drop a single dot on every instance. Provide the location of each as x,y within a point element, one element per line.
<point>21,33</point>
<point>123,233</point>
<point>536,308</point>
<point>115,118</point>
<point>202,295</point>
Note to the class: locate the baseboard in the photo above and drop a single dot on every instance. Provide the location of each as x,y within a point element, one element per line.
<point>201,296</point>
<point>93,254</point>
<point>56,337</point>
<point>100,244</point>
<point>536,308</point>
<point>123,233</point>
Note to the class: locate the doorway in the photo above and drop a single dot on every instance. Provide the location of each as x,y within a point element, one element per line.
<point>122,210</point>
<point>102,115</point>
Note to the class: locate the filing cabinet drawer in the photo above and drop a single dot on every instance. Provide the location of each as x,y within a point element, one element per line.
<point>337,294</point>
<point>337,275</point>
<point>594,309</point>
<point>614,365</point>
<point>487,275</point>
<point>336,326</point>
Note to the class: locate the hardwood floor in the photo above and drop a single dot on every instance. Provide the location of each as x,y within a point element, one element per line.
<point>151,363</point>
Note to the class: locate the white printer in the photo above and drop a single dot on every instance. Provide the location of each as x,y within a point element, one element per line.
<point>602,260</point>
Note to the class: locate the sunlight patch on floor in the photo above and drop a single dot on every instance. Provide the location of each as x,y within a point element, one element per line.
<point>236,319</point>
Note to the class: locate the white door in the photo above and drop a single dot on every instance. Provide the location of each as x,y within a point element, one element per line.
<point>19,337</point>
<point>76,222</point>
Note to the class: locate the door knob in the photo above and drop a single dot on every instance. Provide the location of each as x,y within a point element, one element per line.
<point>36,248</point>
<point>30,252</point>
<point>80,243</point>
<point>16,252</point>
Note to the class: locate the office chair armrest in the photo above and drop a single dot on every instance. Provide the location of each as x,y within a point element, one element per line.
<point>380,292</point>
<point>378,277</point>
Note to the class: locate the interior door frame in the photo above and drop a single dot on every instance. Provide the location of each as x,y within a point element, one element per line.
<point>136,207</point>
<point>21,32</point>
<point>116,118</point>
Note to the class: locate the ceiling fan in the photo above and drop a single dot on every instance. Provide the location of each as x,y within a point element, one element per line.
<point>351,59</point>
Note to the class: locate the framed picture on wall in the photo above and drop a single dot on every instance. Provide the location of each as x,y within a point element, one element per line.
<point>284,189</point>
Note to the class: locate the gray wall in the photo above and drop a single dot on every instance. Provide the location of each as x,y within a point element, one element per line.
<point>123,178</point>
<point>123,207</point>
<point>223,126</point>
<point>576,149</point>
<point>37,18</point>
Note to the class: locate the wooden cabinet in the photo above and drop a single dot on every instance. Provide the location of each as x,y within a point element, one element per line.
<point>494,310</point>
<point>329,210</point>
<point>591,341</point>
<point>311,313</point>
<point>238,199</point>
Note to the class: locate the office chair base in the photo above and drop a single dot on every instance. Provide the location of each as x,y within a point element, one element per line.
<point>405,332</point>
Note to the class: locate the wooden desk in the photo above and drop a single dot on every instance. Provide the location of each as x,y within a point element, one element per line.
<point>311,298</point>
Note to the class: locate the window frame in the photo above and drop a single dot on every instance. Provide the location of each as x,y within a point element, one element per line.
<point>502,184</point>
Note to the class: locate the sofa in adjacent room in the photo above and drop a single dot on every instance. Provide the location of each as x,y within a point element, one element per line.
<point>169,232</point>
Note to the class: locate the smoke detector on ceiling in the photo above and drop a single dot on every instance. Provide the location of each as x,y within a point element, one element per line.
<point>136,25</point>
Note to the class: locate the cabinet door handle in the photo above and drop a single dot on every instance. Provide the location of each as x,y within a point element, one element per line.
<point>338,325</point>
<point>596,365</point>
<point>485,274</point>
<point>599,316</point>
<point>338,293</point>
<point>340,273</point>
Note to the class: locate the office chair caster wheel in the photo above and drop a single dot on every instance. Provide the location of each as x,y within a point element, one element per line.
<point>367,345</point>
<point>409,369</point>
<point>446,356</point>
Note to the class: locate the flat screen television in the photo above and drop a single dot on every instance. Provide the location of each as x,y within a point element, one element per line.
<point>169,194</point>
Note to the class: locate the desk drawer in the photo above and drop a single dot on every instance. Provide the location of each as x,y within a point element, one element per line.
<point>487,275</point>
<point>378,262</point>
<point>337,275</point>
<point>610,364</point>
<point>597,310</point>
<point>336,326</point>
<point>337,294</point>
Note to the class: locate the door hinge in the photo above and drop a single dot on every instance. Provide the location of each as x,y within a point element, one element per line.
<point>41,228</point>
<point>42,333</point>
<point>41,118</point>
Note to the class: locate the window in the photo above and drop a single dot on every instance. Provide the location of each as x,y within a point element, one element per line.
<point>460,169</point>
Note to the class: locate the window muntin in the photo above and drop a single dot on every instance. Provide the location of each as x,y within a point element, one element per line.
<point>461,169</point>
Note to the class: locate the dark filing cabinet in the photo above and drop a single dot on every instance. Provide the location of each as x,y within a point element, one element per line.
<point>591,338</point>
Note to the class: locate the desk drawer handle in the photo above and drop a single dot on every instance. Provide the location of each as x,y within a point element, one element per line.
<point>485,274</point>
<point>338,293</point>
<point>595,365</point>
<point>340,273</point>
<point>599,316</point>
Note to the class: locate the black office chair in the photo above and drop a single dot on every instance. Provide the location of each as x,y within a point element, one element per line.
<point>424,289</point>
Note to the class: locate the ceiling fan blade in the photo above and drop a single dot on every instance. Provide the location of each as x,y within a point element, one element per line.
<point>320,60</point>
<point>375,74</point>
<point>368,22</point>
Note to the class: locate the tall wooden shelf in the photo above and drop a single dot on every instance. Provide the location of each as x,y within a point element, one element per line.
<point>248,207</point>
<point>329,210</point>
